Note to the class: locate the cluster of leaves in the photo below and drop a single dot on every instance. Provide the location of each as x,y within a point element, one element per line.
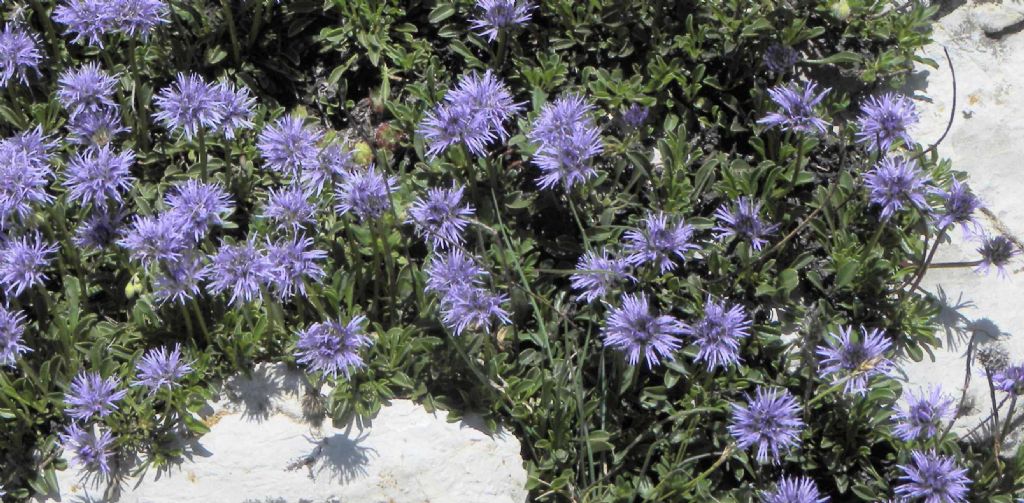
<point>593,427</point>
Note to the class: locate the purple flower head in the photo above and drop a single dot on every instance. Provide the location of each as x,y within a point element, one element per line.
<point>160,368</point>
<point>197,206</point>
<point>22,183</point>
<point>92,395</point>
<point>896,182</point>
<point>933,478</point>
<point>452,269</point>
<point>886,119</point>
<point>718,334</point>
<point>488,96</point>
<point>635,115</point>
<point>99,229</point>
<point>770,420</point>
<point>19,53</point>
<point>90,450</point>
<point>473,307</point>
<point>796,109</point>
<point>441,217</point>
<point>367,193</point>
<point>794,490</point>
<point>235,108</point>
<point>22,262</point>
<point>450,124</point>
<point>34,145</point>
<point>335,162</point>
<point>744,221</point>
<point>99,175</point>
<point>856,358</point>
<point>290,208</point>
<point>924,414</point>
<point>153,238</point>
<point>12,331</point>
<point>293,263</point>
<point>86,89</point>
<point>498,16</point>
<point>240,268</point>
<point>567,141</point>
<point>289,146</point>
<point>178,280</point>
<point>658,241</point>
<point>996,251</point>
<point>96,128</point>
<point>331,347</point>
<point>633,329</point>
<point>189,105</point>
<point>959,204</point>
<point>140,17</point>
<point>780,58</point>
<point>1010,379</point>
<point>89,20</point>
<point>599,274</point>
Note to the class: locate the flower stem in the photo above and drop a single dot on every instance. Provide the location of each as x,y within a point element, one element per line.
<point>229,18</point>
<point>202,154</point>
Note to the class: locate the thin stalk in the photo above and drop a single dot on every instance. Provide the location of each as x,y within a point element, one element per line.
<point>257,22</point>
<point>201,137</point>
<point>51,34</point>
<point>141,117</point>
<point>718,462</point>
<point>229,18</point>
<point>202,322</point>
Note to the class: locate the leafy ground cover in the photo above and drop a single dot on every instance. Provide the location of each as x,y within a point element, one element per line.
<point>675,247</point>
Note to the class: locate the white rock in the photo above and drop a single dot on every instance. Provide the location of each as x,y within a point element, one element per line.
<point>993,18</point>
<point>985,142</point>
<point>260,449</point>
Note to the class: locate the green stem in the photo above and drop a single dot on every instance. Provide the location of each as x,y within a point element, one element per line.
<point>202,153</point>
<point>51,35</point>
<point>229,18</point>
<point>202,322</point>
<point>257,22</point>
<point>141,117</point>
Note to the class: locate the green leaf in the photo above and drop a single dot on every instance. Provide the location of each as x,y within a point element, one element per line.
<point>441,12</point>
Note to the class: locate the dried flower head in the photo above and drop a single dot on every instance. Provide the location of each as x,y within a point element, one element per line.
<point>634,329</point>
<point>780,58</point>
<point>992,357</point>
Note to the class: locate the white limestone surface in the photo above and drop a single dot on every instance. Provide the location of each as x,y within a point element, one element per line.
<point>262,449</point>
<point>986,141</point>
